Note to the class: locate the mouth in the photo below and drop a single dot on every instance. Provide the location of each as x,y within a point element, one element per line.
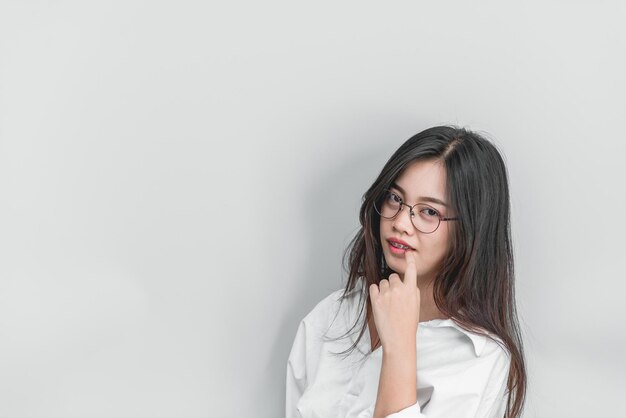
<point>398,248</point>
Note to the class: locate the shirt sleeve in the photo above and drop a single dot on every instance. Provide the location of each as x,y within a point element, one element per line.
<point>296,373</point>
<point>304,357</point>
<point>492,402</point>
<point>413,411</point>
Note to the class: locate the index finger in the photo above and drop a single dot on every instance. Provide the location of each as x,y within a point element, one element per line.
<point>410,273</point>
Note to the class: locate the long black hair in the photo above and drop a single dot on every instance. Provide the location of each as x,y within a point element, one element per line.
<point>475,286</point>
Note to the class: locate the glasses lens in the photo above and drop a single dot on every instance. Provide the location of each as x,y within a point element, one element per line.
<point>389,205</point>
<point>425,219</point>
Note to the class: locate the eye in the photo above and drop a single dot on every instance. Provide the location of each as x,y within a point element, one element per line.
<point>430,212</point>
<point>391,196</point>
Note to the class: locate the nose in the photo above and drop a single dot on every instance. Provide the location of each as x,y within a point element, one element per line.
<point>402,221</point>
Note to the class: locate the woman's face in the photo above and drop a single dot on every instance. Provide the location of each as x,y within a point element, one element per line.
<point>420,181</point>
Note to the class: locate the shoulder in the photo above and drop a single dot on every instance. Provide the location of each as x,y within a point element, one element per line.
<point>489,357</point>
<point>494,354</point>
<point>337,309</point>
<point>328,305</point>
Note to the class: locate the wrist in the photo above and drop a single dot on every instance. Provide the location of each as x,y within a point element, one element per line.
<point>406,347</point>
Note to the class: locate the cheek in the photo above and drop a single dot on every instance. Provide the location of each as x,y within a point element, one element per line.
<point>435,250</point>
<point>383,230</point>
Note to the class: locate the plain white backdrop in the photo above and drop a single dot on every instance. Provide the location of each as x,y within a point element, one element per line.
<point>179,180</point>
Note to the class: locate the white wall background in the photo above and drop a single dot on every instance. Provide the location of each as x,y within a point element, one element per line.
<point>178,181</point>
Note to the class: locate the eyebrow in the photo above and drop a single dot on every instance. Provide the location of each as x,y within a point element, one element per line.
<point>424,198</point>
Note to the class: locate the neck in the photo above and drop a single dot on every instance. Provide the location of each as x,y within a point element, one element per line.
<point>428,309</point>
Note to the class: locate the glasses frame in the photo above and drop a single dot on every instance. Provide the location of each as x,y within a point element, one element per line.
<point>412,213</point>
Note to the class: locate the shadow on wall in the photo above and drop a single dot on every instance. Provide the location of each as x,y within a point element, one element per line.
<point>330,228</point>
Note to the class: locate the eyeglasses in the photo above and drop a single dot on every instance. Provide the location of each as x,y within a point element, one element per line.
<point>428,220</point>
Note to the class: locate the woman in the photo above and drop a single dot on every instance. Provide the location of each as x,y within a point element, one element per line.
<point>432,266</point>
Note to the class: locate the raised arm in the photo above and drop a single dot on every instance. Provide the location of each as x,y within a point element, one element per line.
<point>396,309</point>
<point>397,388</point>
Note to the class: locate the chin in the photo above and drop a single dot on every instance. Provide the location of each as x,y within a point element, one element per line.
<point>395,268</point>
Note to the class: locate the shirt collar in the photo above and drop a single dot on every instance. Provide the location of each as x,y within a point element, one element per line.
<point>478,341</point>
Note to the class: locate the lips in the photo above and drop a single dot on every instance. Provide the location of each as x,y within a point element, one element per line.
<point>399,241</point>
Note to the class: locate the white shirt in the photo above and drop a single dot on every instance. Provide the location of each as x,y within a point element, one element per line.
<point>460,374</point>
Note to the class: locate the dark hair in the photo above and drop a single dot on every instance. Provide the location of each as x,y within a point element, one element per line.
<point>475,285</point>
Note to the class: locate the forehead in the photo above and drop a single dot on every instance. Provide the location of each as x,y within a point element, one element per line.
<point>423,178</point>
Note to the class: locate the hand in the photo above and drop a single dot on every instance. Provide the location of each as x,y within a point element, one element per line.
<point>396,306</point>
